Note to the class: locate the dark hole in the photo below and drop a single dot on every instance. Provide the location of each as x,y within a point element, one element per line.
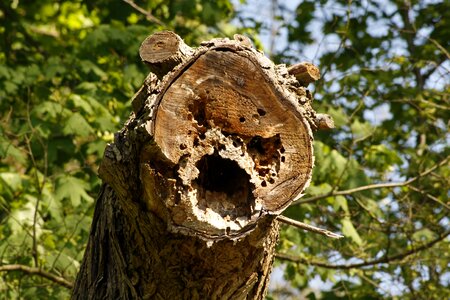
<point>263,184</point>
<point>198,110</point>
<point>183,146</point>
<point>262,172</point>
<point>237,142</point>
<point>283,159</point>
<point>278,141</point>
<point>282,150</point>
<point>202,136</point>
<point>271,180</point>
<point>261,112</point>
<point>196,142</point>
<point>222,175</point>
<point>222,147</point>
<point>242,119</point>
<point>256,143</point>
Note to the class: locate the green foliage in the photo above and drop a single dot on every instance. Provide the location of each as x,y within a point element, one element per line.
<point>68,70</point>
<point>385,82</point>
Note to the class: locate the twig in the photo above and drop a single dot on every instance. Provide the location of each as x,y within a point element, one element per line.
<point>40,186</point>
<point>385,259</point>
<point>308,227</point>
<point>69,238</point>
<point>34,247</point>
<point>430,197</point>
<point>36,271</point>
<point>147,14</point>
<point>439,46</point>
<point>371,186</point>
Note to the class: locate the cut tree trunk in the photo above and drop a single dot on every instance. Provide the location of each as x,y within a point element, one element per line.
<point>219,144</point>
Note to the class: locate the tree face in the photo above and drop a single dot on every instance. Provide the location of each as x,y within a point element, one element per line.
<point>236,140</point>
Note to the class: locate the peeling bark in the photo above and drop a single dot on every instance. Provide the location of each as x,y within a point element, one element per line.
<point>219,144</point>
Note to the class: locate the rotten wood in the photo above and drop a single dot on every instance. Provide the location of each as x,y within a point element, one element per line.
<point>324,122</point>
<point>219,144</point>
<point>243,40</point>
<point>163,51</point>
<point>305,73</point>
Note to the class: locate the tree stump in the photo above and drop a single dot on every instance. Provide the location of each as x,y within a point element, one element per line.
<point>218,145</point>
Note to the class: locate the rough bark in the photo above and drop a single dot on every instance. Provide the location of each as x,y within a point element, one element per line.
<point>218,145</point>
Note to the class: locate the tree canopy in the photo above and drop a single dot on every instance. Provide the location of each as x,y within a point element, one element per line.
<point>68,70</point>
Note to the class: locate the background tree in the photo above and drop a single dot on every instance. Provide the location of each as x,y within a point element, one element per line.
<point>384,180</point>
<point>68,70</point>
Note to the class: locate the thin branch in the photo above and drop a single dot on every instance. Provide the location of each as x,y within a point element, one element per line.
<point>38,183</point>
<point>431,197</point>
<point>439,46</point>
<point>409,33</point>
<point>385,259</point>
<point>36,271</point>
<point>34,247</point>
<point>147,14</point>
<point>371,186</point>
<point>69,238</point>
<point>439,61</point>
<point>308,227</point>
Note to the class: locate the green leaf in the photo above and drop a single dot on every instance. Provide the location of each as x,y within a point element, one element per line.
<point>51,205</point>
<point>72,188</point>
<point>337,163</point>
<point>321,189</point>
<point>381,157</point>
<point>12,180</point>
<point>370,206</point>
<point>340,202</point>
<point>77,125</point>
<point>355,175</point>
<point>349,230</point>
<point>50,110</point>
<point>79,102</point>
<point>339,116</point>
<point>361,130</point>
<point>424,235</point>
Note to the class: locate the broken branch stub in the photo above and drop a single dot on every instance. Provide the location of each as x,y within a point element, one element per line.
<point>231,142</point>
<point>324,122</point>
<point>305,73</point>
<point>162,51</point>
